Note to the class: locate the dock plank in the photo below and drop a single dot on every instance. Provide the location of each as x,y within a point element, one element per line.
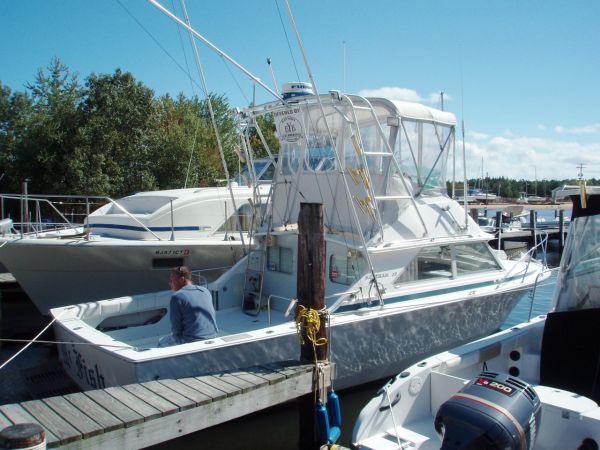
<point>156,401</point>
<point>144,409</point>
<point>206,389</point>
<point>52,421</point>
<point>16,414</point>
<point>4,422</point>
<point>240,383</point>
<point>248,377</point>
<point>103,417</point>
<point>169,394</point>
<point>124,413</point>
<point>78,419</point>
<point>220,384</point>
<point>197,397</point>
<point>270,375</point>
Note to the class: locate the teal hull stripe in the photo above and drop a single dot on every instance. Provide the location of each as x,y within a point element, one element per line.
<point>426,294</point>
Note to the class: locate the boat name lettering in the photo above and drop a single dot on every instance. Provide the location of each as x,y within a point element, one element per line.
<point>502,388</point>
<point>183,252</point>
<point>287,112</point>
<point>386,274</point>
<point>83,370</point>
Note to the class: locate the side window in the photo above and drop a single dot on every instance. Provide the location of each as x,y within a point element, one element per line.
<point>430,262</point>
<point>474,258</point>
<point>344,269</point>
<point>280,259</point>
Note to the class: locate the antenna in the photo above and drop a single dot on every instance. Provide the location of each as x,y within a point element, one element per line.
<point>580,166</point>
<point>343,66</point>
<point>442,99</point>
<point>272,74</point>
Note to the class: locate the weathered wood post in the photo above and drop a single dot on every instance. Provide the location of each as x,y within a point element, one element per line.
<point>561,231</point>
<point>24,436</point>
<point>311,295</point>
<point>499,228</point>
<point>474,213</point>
<point>533,225</point>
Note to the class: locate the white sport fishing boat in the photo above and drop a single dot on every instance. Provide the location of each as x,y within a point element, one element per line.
<point>131,244</point>
<point>535,385</point>
<point>408,272</point>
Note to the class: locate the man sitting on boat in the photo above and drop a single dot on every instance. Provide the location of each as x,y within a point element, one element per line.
<point>191,310</point>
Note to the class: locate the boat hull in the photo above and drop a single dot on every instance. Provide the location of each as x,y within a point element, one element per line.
<point>365,346</point>
<point>56,273</point>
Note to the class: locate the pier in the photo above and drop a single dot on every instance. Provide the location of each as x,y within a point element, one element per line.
<point>140,415</point>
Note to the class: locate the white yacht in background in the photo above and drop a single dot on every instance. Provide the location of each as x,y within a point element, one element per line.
<point>131,243</point>
<point>407,271</point>
<point>535,385</point>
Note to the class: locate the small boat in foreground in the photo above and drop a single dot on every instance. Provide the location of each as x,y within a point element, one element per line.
<point>535,385</point>
<point>407,271</point>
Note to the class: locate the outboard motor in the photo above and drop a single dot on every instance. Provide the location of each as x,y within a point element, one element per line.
<point>493,411</point>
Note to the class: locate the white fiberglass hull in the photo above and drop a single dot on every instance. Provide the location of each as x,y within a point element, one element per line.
<point>56,272</point>
<point>366,344</point>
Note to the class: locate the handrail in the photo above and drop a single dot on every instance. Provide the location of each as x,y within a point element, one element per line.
<point>528,254</point>
<point>136,220</point>
<point>537,278</point>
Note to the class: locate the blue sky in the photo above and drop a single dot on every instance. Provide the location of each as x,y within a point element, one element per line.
<point>522,74</point>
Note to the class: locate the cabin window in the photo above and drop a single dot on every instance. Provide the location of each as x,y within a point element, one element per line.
<point>474,258</point>
<point>344,269</point>
<point>280,259</point>
<point>245,220</point>
<point>430,263</point>
<point>448,262</point>
<point>167,263</point>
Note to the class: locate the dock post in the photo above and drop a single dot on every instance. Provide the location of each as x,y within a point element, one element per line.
<point>532,224</point>
<point>561,234</point>
<point>25,436</point>
<point>474,214</point>
<point>499,228</point>
<point>311,296</point>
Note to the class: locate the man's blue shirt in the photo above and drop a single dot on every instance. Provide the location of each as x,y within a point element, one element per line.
<point>192,314</point>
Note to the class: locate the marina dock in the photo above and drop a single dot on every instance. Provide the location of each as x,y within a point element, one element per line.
<point>140,415</point>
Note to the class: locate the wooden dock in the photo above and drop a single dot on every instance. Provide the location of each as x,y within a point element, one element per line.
<point>140,415</point>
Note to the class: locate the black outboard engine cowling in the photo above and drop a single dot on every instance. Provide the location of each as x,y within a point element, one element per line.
<point>493,411</point>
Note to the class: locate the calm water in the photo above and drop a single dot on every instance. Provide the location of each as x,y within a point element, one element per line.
<point>275,428</point>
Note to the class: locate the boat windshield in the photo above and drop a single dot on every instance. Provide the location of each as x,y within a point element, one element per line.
<point>579,279</point>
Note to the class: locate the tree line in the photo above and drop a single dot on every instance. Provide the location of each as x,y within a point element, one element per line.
<point>109,136</point>
<point>112,136</point>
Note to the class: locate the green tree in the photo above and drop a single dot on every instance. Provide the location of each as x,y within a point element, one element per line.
<point>45,138</point>
<point>119,115</point>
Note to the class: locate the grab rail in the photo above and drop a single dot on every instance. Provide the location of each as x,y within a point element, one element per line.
<point>529,255</point>
<point>136,220</point>
<point>537,278</point>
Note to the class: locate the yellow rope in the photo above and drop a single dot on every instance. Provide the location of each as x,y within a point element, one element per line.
<point>309,320</point>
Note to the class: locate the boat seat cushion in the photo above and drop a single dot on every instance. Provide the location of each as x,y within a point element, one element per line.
<point>570,357</point>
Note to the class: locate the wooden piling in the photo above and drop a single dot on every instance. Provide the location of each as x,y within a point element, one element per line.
<point>561,234</point>
<point>499,228</point>
<point>474,213</point>
<point>311,296</point>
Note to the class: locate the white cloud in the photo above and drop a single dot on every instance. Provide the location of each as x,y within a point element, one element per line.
<point>541,127</point>
<point>404,94</point>
<point>477,135</point>
<point>392,93</point>
<point>520,157</point>
<point>586,129</point>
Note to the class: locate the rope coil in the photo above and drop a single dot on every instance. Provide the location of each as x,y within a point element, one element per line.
<point>308,319</point>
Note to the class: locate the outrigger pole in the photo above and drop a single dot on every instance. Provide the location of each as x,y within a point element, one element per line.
<point>214,47</point>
